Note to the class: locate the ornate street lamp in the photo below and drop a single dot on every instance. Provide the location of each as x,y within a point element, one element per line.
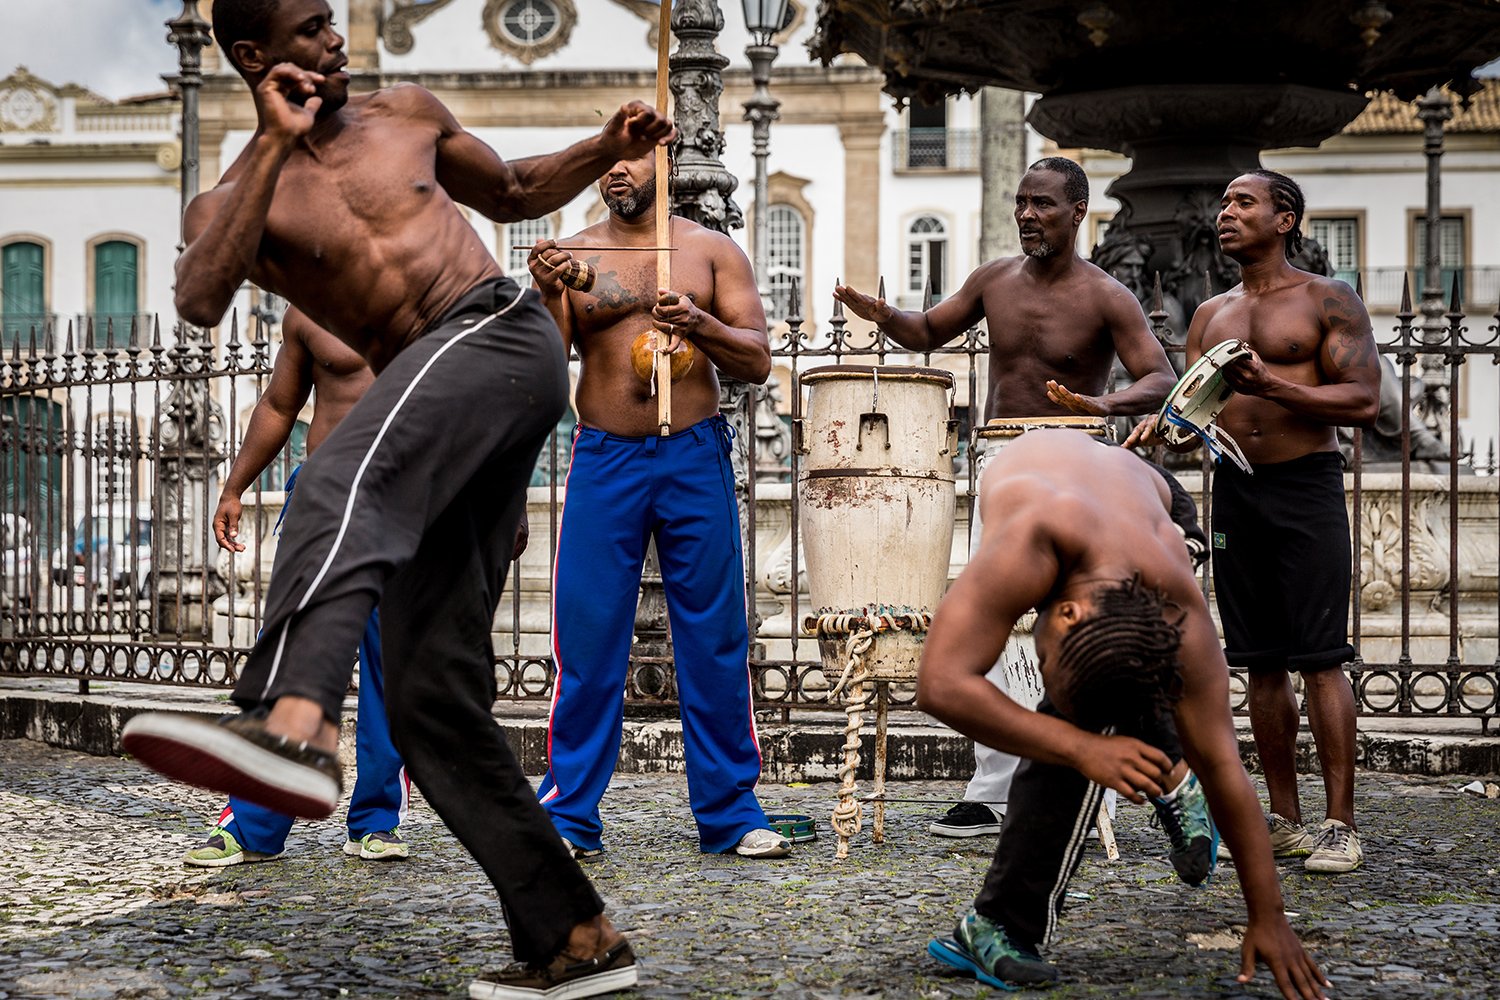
<point>764,18</point>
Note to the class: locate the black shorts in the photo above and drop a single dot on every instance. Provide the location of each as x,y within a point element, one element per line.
<point>1282,564</point>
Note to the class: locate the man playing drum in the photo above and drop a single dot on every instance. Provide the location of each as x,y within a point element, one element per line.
<point>346,205</point>
<point>627,485</point>
<point>1282,560</point>
<point>1129,659</point>
<point>1056,323</point>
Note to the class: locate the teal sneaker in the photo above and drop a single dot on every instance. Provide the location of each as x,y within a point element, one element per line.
<point>221,850</point>
<point>380,846</point>
<point>1183,815</point>
<point>980,947</point>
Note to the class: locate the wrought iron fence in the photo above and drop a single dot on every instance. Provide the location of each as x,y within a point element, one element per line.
<point>112,458</point>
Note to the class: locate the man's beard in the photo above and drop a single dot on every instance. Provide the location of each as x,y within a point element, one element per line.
<point>1042,250</point>
<point>631,205</point>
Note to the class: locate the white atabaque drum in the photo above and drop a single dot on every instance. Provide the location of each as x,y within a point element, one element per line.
<point>876,499</point>
<point>1022,679</point>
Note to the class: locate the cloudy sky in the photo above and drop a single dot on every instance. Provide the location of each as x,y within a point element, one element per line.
<point>117,48</point>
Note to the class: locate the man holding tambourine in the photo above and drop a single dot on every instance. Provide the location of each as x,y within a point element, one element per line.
<point>1275,364</point>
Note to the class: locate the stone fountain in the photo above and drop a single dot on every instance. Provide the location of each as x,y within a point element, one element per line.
<point>1190,91</point>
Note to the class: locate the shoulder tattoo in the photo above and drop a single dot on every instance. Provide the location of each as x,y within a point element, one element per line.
<point>1351,343</point>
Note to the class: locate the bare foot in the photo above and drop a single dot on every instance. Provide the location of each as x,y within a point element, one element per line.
<point>592,938</point>
<point>301,719</point>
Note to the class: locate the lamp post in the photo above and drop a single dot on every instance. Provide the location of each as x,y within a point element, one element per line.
<point>1433,110</point>
<point>764,18</point>
<point>191,423</point>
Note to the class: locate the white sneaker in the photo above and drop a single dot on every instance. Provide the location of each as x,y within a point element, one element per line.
<point>763,844</point>
<point>1337,849</point>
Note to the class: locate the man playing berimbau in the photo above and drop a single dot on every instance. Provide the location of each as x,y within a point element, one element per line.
<point>346,207</point>
<point>629,485</point>
<point>1126,649</point>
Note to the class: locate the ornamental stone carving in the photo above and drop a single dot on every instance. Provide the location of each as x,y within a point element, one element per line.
<point>395,27</point>
<point>27,103</point>
<point>529,29</point>
<point>1380,545</point>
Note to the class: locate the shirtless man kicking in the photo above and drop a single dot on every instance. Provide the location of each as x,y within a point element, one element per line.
<point>1126,649</point>
<point>346,207</point>
<point>627,485</point>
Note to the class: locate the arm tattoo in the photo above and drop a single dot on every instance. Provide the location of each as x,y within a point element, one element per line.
<point>1351,342</point>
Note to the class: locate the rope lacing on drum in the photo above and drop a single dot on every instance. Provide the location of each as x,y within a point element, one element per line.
<point>857,631</point>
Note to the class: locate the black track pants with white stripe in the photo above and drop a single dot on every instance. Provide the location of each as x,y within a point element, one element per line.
<point>413,501</point>
<point>1050,812</point>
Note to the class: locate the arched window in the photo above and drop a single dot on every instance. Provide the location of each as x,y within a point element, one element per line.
<point>523,234</point>
<point>116,291</point>
<point>926,255</point>
<point>23,293</point>
<point>786,258</point>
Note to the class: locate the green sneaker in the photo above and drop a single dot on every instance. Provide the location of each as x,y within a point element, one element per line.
<point>980,947</point>
<point>221,850</point>
<point>1183,815</point>
<point>379,846</point>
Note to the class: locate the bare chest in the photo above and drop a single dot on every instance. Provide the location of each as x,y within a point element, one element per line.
<point>1060,330</point>
<point>368,184</point>
<point>626,290</point>
<point>1282,331</point>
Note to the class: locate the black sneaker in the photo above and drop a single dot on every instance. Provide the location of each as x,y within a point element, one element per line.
<point>967,819</point>
<point>564,976</point>
<point>980,947</point>
<point>1190,828</point>
<point>235,755</point>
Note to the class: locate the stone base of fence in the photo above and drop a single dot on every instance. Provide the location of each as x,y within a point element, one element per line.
<point>808,750</point>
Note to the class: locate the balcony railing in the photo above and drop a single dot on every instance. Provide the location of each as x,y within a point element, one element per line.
<point>1479,286</point>
<point>936,149</point>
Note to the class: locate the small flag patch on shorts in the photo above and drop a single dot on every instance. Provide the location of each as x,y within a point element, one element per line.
<point>1219,542</point>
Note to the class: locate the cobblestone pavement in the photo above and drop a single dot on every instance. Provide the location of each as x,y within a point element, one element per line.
<point>94,902</point>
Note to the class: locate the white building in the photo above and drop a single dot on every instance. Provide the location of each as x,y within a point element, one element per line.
<point>89,201</point>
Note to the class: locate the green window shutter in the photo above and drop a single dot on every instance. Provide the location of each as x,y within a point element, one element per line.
<point>23,282</point>
<point>115,290</point>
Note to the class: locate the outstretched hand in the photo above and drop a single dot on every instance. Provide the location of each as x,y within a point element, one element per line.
<point>1089,406</point>
<point>1274,943</point>
<point>866,307</point>
<point>1130,767</point>
<point>1143,435</point>
<point>636,129</point>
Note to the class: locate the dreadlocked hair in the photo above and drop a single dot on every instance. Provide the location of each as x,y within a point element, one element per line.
<point>1120,664</point>
<point>1286,196</point>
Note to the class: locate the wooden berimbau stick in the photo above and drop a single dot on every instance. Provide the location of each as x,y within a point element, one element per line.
<point>663,367</point>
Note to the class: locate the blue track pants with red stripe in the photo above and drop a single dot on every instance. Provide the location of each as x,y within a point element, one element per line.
<point>621,493</point>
